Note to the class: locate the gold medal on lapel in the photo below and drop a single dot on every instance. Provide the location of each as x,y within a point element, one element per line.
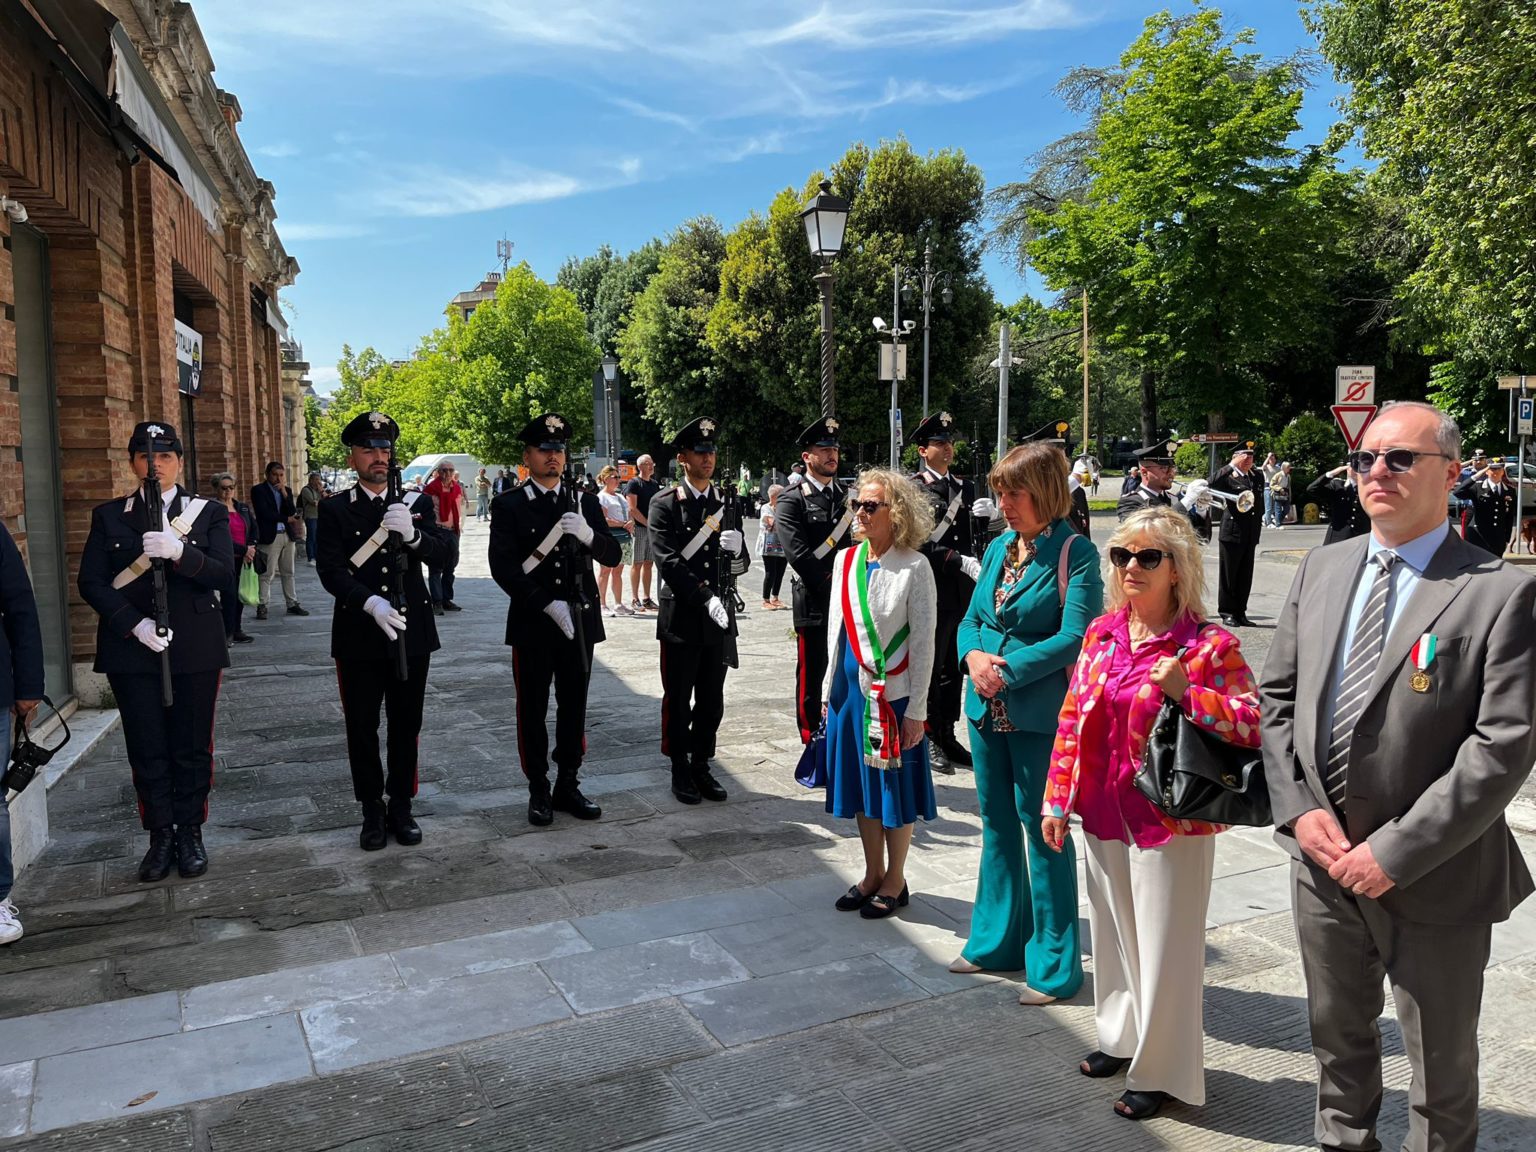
<point>1421,657</point>
<point>1419,682</point>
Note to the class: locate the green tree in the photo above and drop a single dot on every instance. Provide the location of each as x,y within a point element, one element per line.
<point>1313,446</point>
<point>1204,239</point>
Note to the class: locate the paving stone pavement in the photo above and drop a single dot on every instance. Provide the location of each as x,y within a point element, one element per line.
<point>667,978</point>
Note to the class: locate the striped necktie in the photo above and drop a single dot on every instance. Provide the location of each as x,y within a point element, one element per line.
<point>1355,684</point>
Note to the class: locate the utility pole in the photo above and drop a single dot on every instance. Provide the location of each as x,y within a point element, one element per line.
<point>1085,368</point>
<point>1004,359</point>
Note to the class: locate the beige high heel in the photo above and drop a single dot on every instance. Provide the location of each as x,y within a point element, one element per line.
<point>962,965</point>
<point>1030,998</point>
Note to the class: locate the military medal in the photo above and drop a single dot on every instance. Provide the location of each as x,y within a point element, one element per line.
<point>1422,656</point>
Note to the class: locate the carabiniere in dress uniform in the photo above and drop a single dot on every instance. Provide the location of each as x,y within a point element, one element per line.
<point>170,745</point>
<point>374,540</point>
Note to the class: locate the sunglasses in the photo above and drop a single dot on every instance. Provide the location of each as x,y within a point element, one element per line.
<point>1146,559</point>
<point>1397,460</point>
<point>226,487</point>
<point>868,507</point>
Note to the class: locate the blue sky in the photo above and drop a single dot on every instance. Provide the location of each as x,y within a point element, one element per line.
<point>405,138</point>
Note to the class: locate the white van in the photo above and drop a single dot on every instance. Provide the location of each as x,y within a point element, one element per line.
<point>420,470</point>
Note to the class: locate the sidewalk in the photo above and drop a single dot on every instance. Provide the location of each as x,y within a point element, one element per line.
<point>665,978</point>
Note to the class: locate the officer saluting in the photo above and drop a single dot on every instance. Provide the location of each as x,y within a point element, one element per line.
<point>1239,538</point>
<point>541,554</point>
<point>813,523</point>
<point>697,557</point>
<point>1492,494</point>
<point>360,532</point>
<point>170,747</point>
<point>951,551</point>
<point>1347,518</point>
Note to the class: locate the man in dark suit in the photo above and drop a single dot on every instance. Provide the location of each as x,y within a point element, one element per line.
<point>698,558</point>
<point>951,551</point>
<point>544,537</point>
<point>363,539</point>
<point>1398,703</point>
<point>1346,518</point>
<point>277,528</point>
<point>21,688</point>
<point>814,521</point>
<point>170,748</point>
<point>1239,534</point>
<point>1491,492</point>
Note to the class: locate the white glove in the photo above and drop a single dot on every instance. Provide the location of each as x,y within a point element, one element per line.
<point>163,545</point>
<point>717,612</point>
<point>144,633</point>
<point>560,612</point>
<point>984,507</point>
<point>970,566</point>
<point>731,540</point>
<point>575,524</point>
<point>397,518</point>
<point>1197,497</point>
<point>385,615</point>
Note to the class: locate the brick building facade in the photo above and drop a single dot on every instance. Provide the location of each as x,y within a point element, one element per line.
<point>135,222</point>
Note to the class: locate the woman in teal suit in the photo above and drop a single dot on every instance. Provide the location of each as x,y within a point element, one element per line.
<point>1039,587</point>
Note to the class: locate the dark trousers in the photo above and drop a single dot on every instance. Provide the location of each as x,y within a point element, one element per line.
<point>365,685</point>
<point>1348,944</point>
<point>533,670</point>
<point>692,700</point>
<point>309,539</point>
<point>810,670</point>
<point>170,750</point>
<point>1236,579</point>
<point>773,575</point>
<point>229,598</point>
<point>944,688</point>
<point>440,573</point>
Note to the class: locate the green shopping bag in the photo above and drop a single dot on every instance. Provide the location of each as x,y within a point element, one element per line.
<point>250,586</point>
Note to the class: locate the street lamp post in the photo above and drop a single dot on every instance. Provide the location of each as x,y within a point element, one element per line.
<point>610,407</point>
<point>927,276</point>
<point>825,217</point>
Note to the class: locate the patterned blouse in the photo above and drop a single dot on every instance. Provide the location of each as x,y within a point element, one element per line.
<point>1013,572</point>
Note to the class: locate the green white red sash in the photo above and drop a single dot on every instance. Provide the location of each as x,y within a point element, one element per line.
<point>1423,653</point>
<point>881,659</point>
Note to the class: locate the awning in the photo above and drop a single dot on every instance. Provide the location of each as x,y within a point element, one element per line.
<point>275,320</point>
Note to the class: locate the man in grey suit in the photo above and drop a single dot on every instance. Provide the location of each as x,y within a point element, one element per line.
<point>1397,726</point>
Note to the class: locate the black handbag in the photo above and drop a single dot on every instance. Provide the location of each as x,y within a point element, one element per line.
<point>1192,774</point>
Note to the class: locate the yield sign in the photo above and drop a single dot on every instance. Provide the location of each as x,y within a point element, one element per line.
<point>1353,420</point>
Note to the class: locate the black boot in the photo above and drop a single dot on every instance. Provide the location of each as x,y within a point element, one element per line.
<point>157,862</point>
<point>191,856</point>
<point>954,750</point>
<point>939,760</point>
<point>373,836</point>
<point>401,823</point>
<point>683,786</point>
<point>707,785</point>
<point>540,811</point>
<point>567,797</point>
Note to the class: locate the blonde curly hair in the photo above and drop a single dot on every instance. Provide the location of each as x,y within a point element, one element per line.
<point>911,512</point>
<point>1170,531</point>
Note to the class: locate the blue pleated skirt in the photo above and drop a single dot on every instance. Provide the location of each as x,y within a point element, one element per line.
<point>894,796</point>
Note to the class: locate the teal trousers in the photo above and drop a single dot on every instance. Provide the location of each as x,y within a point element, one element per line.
<point>1023,918</point>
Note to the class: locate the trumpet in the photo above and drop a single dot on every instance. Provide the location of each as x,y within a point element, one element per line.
<point>1200,494</point>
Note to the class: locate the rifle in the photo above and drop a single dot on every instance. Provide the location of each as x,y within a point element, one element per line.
<point>156,511</point>
<point>397,560</point>
<point>571,556</point>
<point>726,564</point>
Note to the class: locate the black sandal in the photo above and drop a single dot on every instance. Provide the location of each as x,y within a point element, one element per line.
<point>1101,1064</point>
<point>1140,1105</point>
<point>880,907</point>
<point>854,899</point>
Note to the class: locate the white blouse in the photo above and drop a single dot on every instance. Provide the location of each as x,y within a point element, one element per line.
<point>901,591</point>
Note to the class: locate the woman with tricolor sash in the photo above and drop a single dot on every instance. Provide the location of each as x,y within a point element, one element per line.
<point>880,656</point>
<point>1039,587</point>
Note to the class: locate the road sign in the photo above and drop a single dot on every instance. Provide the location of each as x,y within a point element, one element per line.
<point>1525,415</point>
<point>1217,437</point>
<point>1353,420</point>
<point>890,354</point>
<point>1354,384</point>
<point>1516,383</point>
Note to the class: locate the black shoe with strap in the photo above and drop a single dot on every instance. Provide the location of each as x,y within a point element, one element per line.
<point>191,856</point>
<point>683,786</point>
<point>567,798</point>
<point>1098,1065</point>
<point>541,812</point>
<point>1139,1105</point>
<point>879,907</point>
<point>705,782</point>
<point>939,759</point>
<point>374,834</point>
<point>157,862</point>
<point>403,825</point>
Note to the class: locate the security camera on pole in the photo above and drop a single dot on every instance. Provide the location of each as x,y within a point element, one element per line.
<point>893,362</point>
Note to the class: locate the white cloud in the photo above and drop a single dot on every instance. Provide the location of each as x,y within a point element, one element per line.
<point>279,151</point>
<point>646,112</point>
<point>761,144</point>
<point>324,377</point>
<point>433,191</point>
<point>311,231</point>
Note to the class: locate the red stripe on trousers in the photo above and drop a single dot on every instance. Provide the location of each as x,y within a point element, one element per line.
<point>805,732</point>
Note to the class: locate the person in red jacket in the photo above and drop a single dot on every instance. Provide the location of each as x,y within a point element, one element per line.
<point>448,502</point>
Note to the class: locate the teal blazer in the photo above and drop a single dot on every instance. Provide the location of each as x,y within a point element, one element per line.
<point>1039,638</point>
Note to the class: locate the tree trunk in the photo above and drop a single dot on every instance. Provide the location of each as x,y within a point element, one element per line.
<point>1148,406</point>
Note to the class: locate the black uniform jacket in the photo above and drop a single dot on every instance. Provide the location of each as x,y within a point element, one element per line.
<point>1346,518</point>
<point>1493,513</point>
<point>945,555</point>
<point>1240,527</point>
<point>346,520</point>
<point>520,519</point>
<point>677,514</point>
<point>1143,497</point>
<point>191,586</point>
<point>806,518</point>
<point>21,638</point>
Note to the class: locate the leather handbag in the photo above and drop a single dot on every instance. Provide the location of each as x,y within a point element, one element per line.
<point>1192,774</point>
<point>812,769</point>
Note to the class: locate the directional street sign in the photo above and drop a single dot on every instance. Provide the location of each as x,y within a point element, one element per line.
<point>1354,384</point>
<point>1525,415</point>
<point>1217,437</point>
<point>1516,383</point>
<point>1353,420</point>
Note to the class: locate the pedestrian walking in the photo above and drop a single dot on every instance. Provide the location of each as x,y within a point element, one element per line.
<point>1149,875</point>
<point>1398,700</point>
<point>123,566</point>
<point>882,630</point>
<point>242,540</point>
<point>1268,469</point>
<point>1491,493</point>
<point>640,491</point>
<point>1239,534</point>
<point>372,548</point>
<point>1278,496</point>
<point>21,689</point>
<point>771,550</point>
<point>1036,594</point>
<point>616,515</point>
<point>482,496</point>
<point>308,502</point>
<point>541,554</point>
<point>448,504</point>
<point>277,530</point>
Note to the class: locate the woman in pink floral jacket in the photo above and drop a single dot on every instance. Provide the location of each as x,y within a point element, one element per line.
<point>1149,876</point>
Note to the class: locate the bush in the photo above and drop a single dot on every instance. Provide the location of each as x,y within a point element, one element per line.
<point>1192,459</point>
<point>1313,446</point>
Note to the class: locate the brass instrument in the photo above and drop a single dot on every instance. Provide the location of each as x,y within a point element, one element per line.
<point>1199,495</point>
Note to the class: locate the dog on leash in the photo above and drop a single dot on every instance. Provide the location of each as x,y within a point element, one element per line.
<point>1528,534</point>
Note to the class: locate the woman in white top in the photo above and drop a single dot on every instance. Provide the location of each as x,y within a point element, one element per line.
<point>616,513</point>
<point>880,660</point>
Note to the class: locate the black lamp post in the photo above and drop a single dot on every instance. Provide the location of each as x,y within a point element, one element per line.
<point>928,276</point>
<point>825,218</point>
